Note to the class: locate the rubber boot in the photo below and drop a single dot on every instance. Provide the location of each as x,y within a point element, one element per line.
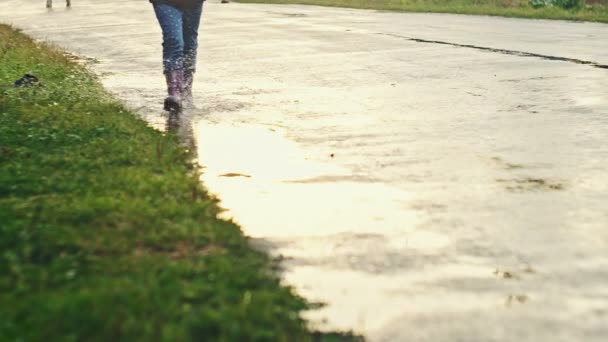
<point>175,80</point>
<point>188,101</point>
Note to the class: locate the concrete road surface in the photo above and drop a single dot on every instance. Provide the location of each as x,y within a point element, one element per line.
<point>431,177</point>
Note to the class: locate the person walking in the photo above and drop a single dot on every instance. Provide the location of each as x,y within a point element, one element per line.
<point>179,21</point>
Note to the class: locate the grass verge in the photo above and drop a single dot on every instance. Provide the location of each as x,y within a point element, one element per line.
<point>598,11</point>
<point>105,231</point>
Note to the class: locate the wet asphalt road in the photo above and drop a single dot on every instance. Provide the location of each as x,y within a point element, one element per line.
<point>431,177</point>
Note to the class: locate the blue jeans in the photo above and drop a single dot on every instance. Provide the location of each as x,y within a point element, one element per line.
<point>180,35</point>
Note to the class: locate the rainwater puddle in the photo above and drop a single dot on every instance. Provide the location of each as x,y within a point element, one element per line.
<point>338,240</point>
<point>269,201</point>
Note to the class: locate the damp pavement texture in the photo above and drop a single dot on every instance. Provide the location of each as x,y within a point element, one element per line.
<point>431,177</point>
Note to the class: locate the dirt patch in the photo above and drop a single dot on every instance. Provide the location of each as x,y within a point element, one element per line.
<point>506,165</point>
<point>234,175</point>
<point>289,15</point>
<point>531,184</point>
<point>516,298</point>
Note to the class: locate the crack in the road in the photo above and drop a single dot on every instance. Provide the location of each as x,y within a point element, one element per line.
<point>502,51</point>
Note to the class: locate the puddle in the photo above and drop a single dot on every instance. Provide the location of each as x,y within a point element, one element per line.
<point>266,183</point>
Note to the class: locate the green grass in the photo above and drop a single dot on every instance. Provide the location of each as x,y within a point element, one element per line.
<point>105,231</point>
<point>508,8</point>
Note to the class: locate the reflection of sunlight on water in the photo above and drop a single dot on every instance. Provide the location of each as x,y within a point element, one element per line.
<point>369,302</point>
<point>589,100</point>
<point>272,203</point>
<point>256,151</point>
<point>343,239</point>
<point>181,125</point>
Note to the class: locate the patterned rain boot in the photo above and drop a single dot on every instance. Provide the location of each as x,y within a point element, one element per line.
<point>175,80</point>
<point>187,89</point>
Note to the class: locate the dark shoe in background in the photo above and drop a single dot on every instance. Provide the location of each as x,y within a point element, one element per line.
<point>27,80</point>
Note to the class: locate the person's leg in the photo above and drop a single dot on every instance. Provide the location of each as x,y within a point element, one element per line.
<point>171,21</point>
<point>191,23</point>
